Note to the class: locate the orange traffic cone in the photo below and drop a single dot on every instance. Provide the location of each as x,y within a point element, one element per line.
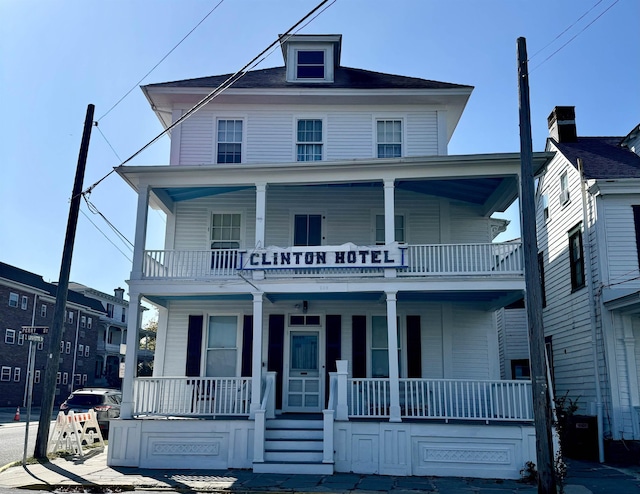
<point>16,417</point>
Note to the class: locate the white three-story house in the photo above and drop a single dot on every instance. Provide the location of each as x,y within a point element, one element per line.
<point>328,285</point>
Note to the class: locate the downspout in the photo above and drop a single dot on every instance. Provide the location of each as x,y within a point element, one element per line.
<point>592,313</point>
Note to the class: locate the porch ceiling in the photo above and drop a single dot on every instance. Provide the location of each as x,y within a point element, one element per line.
<point>473,190</point>
<point>486,299</point>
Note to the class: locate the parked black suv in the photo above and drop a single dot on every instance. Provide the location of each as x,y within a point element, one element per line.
<point>105,402</point>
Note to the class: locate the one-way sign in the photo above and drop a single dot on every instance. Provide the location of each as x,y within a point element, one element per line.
<point>35,330</point>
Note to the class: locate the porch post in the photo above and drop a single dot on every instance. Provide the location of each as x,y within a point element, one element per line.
<point>392,342</point>
<point>256,358</point>
<point>261,212</point>
<point>131,356</point>
<point>389,220</point>
<point>342,407</point>
<point>141,232</point>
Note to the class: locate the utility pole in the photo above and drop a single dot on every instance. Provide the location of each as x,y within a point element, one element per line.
<point>533,290</point>
<point>53,357</point>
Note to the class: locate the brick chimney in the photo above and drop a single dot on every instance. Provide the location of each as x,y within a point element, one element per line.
<point>562,124</point>
<point>119,293</point>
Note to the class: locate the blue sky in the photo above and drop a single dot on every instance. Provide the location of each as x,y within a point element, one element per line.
<point>57,57</point>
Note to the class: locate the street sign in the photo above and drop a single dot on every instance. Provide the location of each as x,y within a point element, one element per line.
<point>35,337</point>
<point>34,330</point>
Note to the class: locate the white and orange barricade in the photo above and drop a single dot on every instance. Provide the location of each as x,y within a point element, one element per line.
<point>73,430</point>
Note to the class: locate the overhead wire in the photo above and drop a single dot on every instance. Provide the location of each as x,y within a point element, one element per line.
<point>218,90</point>
<point>95,210</point>
<point>105,235</point>
<point>575,36</point>
<point>161,60</point>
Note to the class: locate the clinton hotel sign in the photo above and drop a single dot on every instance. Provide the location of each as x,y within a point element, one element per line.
<point>340,256</point>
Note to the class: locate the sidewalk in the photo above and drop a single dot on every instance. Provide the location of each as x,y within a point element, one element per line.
<point>92,472</point>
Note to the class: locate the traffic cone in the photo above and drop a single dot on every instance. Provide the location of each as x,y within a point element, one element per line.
<point>16,417</point>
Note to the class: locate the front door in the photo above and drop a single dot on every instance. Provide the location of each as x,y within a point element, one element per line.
<point>303,388</point>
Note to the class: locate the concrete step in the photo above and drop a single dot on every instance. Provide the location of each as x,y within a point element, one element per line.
<point>292,445</point>
<point>294,467</point>
<point>293,456</point>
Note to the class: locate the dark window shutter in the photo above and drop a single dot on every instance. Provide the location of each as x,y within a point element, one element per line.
<point>194,346</point>
<point>247,346</point>
<point>414,347</point>
<point>333,348</point>
<point>359,346</point>
<point>275,352</point>
<point>636,223</point>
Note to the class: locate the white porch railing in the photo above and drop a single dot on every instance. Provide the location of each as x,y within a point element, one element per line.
<point>464,259</point>
<point>192,396</point>
<point>421,260</point>
<point>443,399</point>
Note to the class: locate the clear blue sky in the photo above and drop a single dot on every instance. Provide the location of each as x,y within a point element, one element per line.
<point>57,57</point>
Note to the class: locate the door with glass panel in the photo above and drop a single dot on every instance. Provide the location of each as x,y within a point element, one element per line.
<point>303,391</point>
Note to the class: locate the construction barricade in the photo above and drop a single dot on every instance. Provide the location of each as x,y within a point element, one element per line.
<point>72,431</point>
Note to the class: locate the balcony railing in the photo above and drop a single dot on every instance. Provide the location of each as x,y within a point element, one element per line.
<point>421,261</point>
<point>443,399</point>
<point>192,396</point>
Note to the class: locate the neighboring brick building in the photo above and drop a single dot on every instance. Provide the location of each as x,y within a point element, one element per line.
<point>27,300</point>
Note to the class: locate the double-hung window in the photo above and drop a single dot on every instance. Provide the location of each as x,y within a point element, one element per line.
<point>229,141</point>
<point>10,336</point>
<point>13,299</point>
<point>5,374</point>
<point>309,140</point>
<point>24,303</point>
<point>564,189</point>
<point>399,229</point>
<point>389,138</point>
<point>307,229</point>
<point>222,346</point>
<point>576,258</point>
<point>225,235</point>
<point>380,347</point>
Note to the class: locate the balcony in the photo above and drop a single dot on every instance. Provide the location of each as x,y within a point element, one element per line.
<point>488,259</point>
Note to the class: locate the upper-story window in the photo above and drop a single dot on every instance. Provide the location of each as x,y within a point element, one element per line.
<point>307,229</point>
<point>225,230</point>
<point>309,140</point>
<point>576,258</point>
<point>43,310</point>
<point>229,141</point>
<point>110,308</point>
<point>124,315</point>
<point>310,64</point>
<point>88,323</point>
<point>389,138</point>
<point>399,228</point>
<point>10,336</point>
<point>24,303</point>
<point>83,321</point>
<point>545,206</point>
<point>13,299</point>
<point>564,189</point>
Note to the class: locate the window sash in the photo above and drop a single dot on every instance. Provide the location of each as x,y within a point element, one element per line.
<point>576,260</point>
<point>309,140</point>
<point>5,373</point>
<point>13,299</point>
<point>222,346</point>
<point>310,64</point>
<point>380,347</point>
<point>389,138</point>
<point>229,141</point>
<point>10,336</point>
<point>225,230</point>
<point>307,230</point>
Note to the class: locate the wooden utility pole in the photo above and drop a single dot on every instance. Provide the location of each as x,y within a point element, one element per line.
<point>533,290</point>
<point>59,312</point>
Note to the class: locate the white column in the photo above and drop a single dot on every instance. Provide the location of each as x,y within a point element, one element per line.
<point>141,232</point>
<point>342,407</point>
<point>131,356</point>
<point>389,220</point>
<point>392,342</point>
<point>261,213</point>
<point>256,358</point>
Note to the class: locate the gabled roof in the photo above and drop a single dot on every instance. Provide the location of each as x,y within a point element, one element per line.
<point>345,78</point>
<point>602,157</point>
<point>36,281</point>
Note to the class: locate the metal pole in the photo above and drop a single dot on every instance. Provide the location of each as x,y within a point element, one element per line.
<point>49,385</point>
<point>32,364</point>
<point>533,291</point>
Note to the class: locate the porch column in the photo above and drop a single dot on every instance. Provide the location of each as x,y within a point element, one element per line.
<point>261,212</point>
<point>141,232</point>
<point>131,356</point>
<point>256,357</point>
<point>392,342</point>
<point>389,220</point>
<point>632,370</point>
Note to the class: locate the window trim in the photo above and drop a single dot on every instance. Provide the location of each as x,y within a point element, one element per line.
<point>575,262</point>
<point>564,197</point>
<point>322,143</point>
<point>10,336</point>
<point>242,142</point>
<point>223,212</point>
<point>5,373</point>
<point>376,143</point>
<point>205,342</point>
<point>14,299</point>
<point>292,62</point>
<point>309,213</point>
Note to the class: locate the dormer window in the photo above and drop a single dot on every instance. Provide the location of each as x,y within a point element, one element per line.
<point>310,64</point>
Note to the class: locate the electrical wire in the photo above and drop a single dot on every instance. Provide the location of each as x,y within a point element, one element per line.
<point>575,36</point>
<point>105,236</point>
<point>95,124</point>
<point>559,35</point>
<point>161,60</point>
<point>92,208</point>
<point>222,87</point>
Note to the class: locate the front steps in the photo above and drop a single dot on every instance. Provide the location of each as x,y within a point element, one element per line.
<point>293,446</point>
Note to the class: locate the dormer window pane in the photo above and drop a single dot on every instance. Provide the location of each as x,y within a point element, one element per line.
<point>310,64</point>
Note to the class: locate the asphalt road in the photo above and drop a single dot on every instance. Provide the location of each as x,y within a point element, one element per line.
<point>12,441</point>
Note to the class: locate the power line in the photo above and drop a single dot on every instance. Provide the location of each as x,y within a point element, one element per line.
<point>106,140</point>
<point>558,36</point>
<point>105,235</point>
<point>574,37</point>
<point>222,87</point>
<point>161,60</point>
<point>95,210</point>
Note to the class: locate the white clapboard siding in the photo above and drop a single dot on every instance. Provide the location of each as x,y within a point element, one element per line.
<point>622,252</point>
<point>432,342</point>
<point>270,132</point>
<point>422,134</point>
<point>465,224</point>
<point>197,140</point>
<point>470,329</point>
<point>422,217</point>
<point>501,342</point>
